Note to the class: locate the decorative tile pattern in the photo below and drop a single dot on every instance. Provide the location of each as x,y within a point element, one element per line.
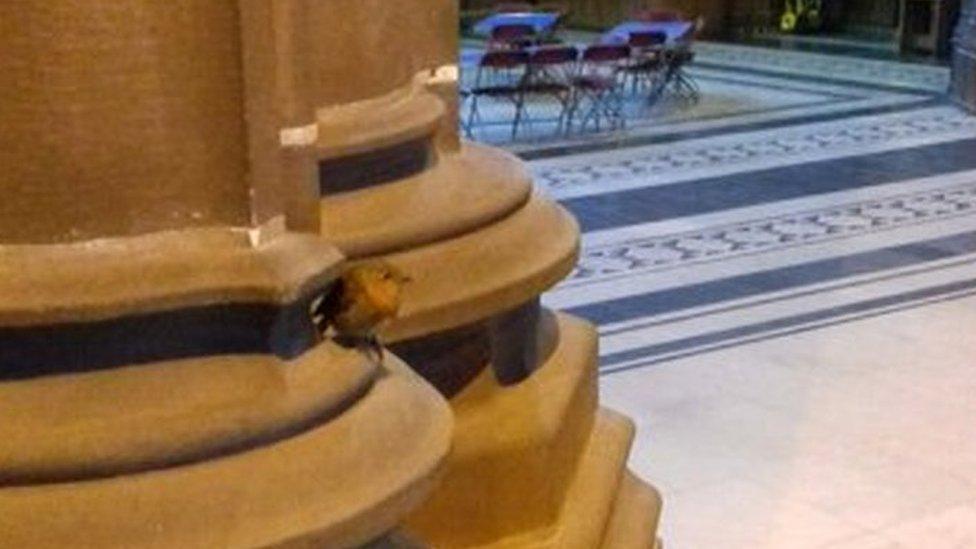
<point>737,317</point>
<point>664,251</point>
<point>833,188</point>
<point>708,155</point>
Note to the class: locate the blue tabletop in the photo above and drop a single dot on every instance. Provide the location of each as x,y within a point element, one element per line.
<point>675,30</point>
<point>542,22</point>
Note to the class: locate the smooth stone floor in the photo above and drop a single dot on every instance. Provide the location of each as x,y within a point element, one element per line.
<point>860,435</point>
<point>784,281</point>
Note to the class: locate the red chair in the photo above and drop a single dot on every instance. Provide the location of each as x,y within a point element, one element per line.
<point>647,59</point>
<point>599,84</point>
<point>550,76</point>
<point>514,36</point>
<point>501,74</point>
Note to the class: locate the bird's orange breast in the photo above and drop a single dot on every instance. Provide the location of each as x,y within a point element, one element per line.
<point>384,296</point>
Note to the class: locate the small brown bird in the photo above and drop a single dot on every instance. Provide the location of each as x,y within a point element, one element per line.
<point>357,305</point>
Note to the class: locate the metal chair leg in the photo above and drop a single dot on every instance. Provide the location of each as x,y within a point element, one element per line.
<point>472,115</point>
<point>519,107</point>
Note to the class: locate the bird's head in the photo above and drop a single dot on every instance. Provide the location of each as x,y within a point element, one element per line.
<point>379,282</point>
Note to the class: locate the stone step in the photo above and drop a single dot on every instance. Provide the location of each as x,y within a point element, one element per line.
<point>604,505</point>
<point>636,515</point>
<point>517,449</point>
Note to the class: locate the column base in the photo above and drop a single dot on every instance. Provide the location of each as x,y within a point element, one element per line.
<point>339,483</point>
<point>538,464</point>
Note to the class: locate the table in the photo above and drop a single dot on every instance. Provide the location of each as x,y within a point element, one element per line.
<point>542,22</point>
<point>675,30</point>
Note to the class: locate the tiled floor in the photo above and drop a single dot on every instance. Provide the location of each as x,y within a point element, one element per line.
<point>856,435</point>
<point>742,86</point>
<point>785,288</point>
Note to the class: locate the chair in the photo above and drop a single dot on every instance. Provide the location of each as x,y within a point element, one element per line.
<point>500,74</point>
<point>645,40</point>
<point>682,84</point>
<point>647,60</point>
<point>677,59</point>
<point>512,36</point>
<point>550,76</point>
<point>599,83</point>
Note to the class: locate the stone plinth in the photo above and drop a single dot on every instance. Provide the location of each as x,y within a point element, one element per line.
<point>963,89</point>
<point>536,461</point>
<point>161,383</point>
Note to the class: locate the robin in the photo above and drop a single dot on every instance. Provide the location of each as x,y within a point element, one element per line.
<point>364,298</point>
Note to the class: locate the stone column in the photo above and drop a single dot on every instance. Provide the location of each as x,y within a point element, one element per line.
<point>963,89</point>
<point>161,383</point>
<point>533,451</point>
